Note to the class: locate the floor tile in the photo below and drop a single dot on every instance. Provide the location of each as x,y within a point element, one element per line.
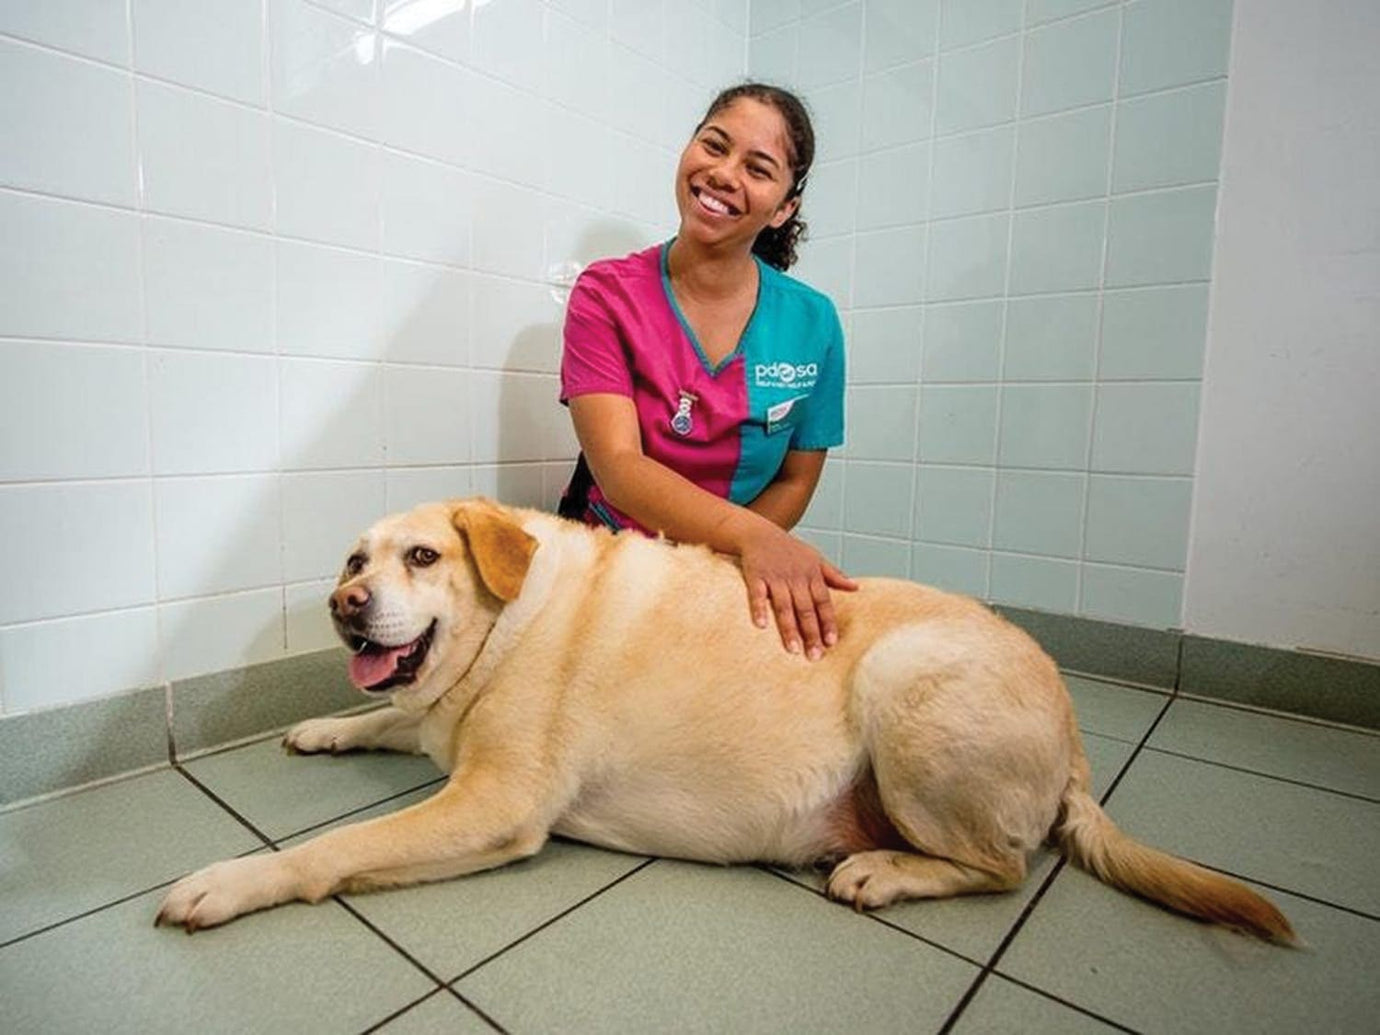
<point>1311,841</point>
<point>700,948</point>
<point>1113,710</point>
<point>1141,966</point>
<point>296,968</point>
<point>450,926</point>
<point>439,1014</point>
<point>383,808</point>
<point>1107,756</point>
<point>1338,759</point>
<point>1002,1007</point>
<point>63,857</point>
<point>282,793</point>
<point>974,925</point>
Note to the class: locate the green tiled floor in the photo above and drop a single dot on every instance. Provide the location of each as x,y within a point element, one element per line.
<point>580,939</point>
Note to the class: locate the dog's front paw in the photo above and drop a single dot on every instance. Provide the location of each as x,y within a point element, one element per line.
<point>315,736</point>
<point>223,891</point>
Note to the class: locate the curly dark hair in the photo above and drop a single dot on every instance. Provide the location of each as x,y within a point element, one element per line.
<point>776,245</point>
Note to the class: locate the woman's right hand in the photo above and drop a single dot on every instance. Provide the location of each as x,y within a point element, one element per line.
<point>788,577</point>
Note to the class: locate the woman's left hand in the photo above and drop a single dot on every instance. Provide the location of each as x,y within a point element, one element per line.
<point>790,578</point>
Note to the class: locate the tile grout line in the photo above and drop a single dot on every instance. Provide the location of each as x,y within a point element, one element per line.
<point>182,771</point>
<point>1106,198</point>
<point>1276,713</point>
<point>1263,775</point>
<point>475,1007</point>
<point>1177,688</point>
<point>1067,1003</point>
<point>273,846</point>
<point>1140,746</point>
<point>874,917</point>
<point>990,966</point>
<point>547,923</point>
<point>1115,681</point>
<point>370,926</point>
<point>44,929</point>
<point>362,808</point>
<point>378,1025</point>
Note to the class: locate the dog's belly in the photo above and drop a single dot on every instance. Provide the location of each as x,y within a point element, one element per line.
<point>839,818</point>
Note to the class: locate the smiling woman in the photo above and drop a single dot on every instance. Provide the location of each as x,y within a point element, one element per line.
<point>705,385</point>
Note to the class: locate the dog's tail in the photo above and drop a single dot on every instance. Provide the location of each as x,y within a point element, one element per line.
<point>1092,842</point>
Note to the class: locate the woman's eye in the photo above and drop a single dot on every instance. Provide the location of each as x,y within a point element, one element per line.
<point>713,146</point>
<point>422,556</point>
<point>759,171</point>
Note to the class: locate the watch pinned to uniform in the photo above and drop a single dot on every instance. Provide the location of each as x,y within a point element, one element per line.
<point>683,421</point>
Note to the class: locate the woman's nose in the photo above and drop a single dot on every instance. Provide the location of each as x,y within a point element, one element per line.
<point>720,177</point>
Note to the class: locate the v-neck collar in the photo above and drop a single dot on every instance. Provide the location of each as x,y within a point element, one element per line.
<point>713,369</point>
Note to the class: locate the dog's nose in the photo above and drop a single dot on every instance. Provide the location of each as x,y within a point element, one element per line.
<point>348,601</point>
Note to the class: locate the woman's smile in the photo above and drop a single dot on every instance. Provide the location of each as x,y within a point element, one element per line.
<point>713,203</point>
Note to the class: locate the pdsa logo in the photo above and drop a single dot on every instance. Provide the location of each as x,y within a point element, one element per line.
<point>786,375</point>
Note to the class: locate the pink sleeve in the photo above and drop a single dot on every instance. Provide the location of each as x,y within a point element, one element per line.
<point>593,358</point>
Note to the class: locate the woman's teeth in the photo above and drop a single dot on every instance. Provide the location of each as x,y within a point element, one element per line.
<point>714,205</point>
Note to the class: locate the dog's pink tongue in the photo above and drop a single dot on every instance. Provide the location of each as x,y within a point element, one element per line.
<point>372,668</point>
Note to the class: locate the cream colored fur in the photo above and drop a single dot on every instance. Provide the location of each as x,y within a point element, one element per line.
<point>613,690</point>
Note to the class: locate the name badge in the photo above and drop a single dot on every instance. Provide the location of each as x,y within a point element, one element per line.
<point>777,416</point>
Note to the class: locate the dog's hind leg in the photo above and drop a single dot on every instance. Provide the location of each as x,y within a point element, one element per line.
<point>870,880</point>
<point>970,758</point>
<point>968,835</point>
<point>386,729</point>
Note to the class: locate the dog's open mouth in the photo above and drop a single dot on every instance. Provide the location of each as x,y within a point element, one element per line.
<point>376,668</point>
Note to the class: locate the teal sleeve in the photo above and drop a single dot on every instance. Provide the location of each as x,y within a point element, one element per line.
<point>822,427</point>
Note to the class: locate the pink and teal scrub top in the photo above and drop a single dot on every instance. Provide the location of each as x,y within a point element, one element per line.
<point>725,427</point>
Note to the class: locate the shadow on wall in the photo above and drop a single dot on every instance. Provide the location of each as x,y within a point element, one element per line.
<point>514,444</point>
<point>530,419</point>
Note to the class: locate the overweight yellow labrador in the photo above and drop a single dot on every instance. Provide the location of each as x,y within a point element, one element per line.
<point>613,689</point>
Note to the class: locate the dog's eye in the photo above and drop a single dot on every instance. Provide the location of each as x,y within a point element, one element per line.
<point>355,564</point>
<point>422,556</point>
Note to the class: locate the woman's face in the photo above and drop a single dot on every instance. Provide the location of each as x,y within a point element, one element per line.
<point>734,175</point>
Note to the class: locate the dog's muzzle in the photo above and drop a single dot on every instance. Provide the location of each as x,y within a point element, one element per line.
<point>379,667</point>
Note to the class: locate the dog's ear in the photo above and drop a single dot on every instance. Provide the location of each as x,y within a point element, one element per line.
<point>502,550</point>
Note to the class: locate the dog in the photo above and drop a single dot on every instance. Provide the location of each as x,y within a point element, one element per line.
<point>614,690</point>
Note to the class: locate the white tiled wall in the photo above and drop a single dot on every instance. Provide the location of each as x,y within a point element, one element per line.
<point>1013,205</point>
<point>270,269</point>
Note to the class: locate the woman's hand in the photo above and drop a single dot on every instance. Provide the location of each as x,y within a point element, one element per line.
<point>790,578</point>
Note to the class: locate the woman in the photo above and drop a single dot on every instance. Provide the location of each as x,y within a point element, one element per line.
<point>705,386</point>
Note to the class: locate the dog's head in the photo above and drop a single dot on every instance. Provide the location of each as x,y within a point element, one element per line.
<point>420,592</point>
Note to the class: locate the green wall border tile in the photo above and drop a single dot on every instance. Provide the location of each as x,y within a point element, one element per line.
<point>1323,687</point>
<point>220,707</point>
<point>1130,653</point>
<point>52,750</point>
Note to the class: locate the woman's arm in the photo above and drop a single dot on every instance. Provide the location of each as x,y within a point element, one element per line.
<point>783,574</point>
<point>785,500</point>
